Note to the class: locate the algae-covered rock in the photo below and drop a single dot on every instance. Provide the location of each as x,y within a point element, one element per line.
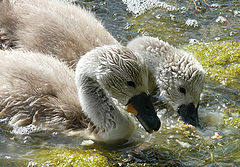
<point>68,158</point>
<point>221,61</point>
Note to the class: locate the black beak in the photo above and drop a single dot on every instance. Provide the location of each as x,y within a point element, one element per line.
<point>189,114</point>
<point>145,112</point>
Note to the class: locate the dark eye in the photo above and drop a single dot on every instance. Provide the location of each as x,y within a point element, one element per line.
<point>182,90</point>
<point>131,83</point>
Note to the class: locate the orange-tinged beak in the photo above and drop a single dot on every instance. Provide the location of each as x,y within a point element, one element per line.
<point>141,106</point>
<point>131,109</point>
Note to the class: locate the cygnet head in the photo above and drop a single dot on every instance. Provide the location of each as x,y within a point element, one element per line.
<point>180,77</point>
<point>123,77</point>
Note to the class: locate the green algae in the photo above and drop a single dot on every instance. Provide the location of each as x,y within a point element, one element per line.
<point>233,122</point>
<point>65,157</point>
<point>232,117</point>
<point>191,21</point>
<point>151,24</point>
<point>221,60</point>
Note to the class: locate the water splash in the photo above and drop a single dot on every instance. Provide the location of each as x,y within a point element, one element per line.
<point>138,7</point>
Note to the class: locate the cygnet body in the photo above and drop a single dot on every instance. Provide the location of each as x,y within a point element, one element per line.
<point>51,27</point>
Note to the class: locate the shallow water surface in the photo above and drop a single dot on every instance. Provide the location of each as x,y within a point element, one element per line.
<point>180,23</point>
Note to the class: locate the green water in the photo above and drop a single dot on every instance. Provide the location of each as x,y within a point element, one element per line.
<point>184,26</point>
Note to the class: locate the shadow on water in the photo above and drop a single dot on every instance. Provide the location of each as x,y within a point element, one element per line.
<point>216,144</point>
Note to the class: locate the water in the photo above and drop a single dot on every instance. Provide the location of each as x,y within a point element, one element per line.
<point>180,23</point>
<point>177,22</point>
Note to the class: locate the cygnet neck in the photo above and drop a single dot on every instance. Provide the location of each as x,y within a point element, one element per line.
<point>110,123</point>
